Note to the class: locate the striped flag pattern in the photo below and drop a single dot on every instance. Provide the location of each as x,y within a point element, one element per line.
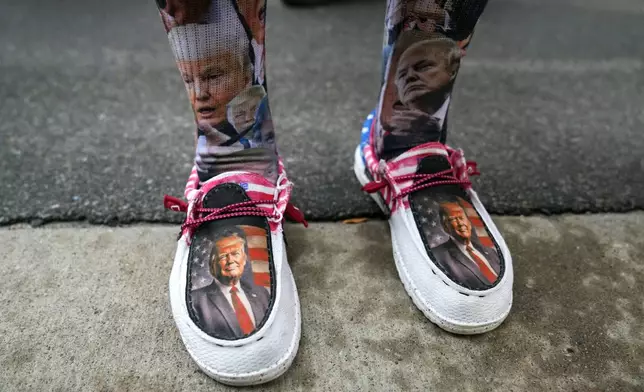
<point>404,164</point>
<point>192,184</point>
<point>258,254</point>
<point>256,186</point>
<point>407,163</point>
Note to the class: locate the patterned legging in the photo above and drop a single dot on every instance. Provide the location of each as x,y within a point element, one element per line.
<point>219,48</point>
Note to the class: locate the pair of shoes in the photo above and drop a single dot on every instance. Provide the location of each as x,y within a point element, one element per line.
<point>232,292</point>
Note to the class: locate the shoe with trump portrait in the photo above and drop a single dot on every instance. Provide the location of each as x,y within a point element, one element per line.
<point>450,256</point>
<point>232,293</point>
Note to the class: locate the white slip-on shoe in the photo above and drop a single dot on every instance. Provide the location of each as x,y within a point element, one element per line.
<point>232,293</point>
<point>450,256</point>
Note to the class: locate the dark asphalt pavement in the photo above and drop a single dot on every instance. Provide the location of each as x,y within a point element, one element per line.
<point>95,123</point>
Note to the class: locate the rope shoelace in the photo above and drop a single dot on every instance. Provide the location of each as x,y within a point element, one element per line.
<point>420,181</point>
<point>200,215</point>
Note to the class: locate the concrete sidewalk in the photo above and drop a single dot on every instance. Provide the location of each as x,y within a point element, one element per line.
<point>85,308</point>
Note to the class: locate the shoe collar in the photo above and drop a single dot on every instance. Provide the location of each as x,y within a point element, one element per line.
<point>256,187</point>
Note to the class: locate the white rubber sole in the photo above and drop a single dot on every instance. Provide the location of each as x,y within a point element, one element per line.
<point>434,317</point>
<point>442,322</point>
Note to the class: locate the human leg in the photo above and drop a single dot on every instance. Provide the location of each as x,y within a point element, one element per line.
<point>232,292</point>
<point>219,49</point>
<point>450,256</point>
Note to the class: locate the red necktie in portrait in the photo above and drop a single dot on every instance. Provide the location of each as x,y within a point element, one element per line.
<point>487,271</point>
<point>245,323</point>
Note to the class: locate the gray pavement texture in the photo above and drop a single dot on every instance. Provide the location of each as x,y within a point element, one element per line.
<point>95,123</point>
<point>85,308</point>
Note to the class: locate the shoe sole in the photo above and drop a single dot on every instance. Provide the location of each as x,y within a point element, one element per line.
<point>445,324</point>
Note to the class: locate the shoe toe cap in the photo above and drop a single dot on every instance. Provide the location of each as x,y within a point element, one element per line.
<point>261,357</point>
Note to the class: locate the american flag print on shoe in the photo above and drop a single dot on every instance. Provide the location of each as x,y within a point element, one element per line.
<point>450,256</point>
